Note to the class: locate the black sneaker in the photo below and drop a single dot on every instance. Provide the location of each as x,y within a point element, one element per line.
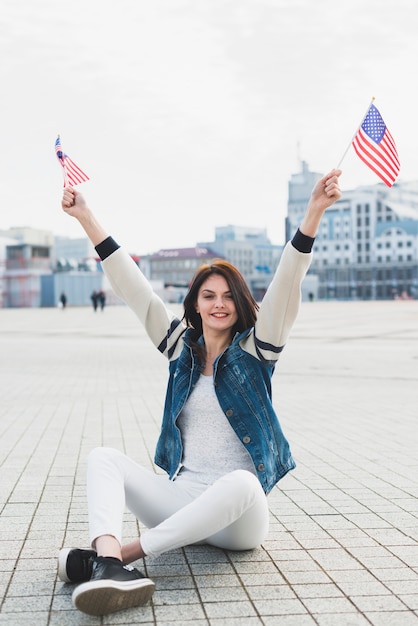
<point>75,565</point>
<point>113,586</point>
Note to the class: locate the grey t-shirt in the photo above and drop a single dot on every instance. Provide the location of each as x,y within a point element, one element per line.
<point>211,448</point>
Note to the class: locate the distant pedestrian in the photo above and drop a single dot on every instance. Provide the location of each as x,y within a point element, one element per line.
<point>95,299</point>
<point>63,300</point>
<point>102,299</point>
<point>221,442</point>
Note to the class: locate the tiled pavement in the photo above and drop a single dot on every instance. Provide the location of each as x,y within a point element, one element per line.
<point>343,543</point>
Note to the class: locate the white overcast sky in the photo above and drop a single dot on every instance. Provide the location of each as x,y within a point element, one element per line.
<point>191,114</point>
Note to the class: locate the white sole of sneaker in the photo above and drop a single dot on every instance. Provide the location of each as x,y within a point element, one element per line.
<point>62,565</point>
<point>99,597</point>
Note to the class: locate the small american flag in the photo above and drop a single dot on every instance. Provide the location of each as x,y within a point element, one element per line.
<point>376,147</point>
<point>73,175</point>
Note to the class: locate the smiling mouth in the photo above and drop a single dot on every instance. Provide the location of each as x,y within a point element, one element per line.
<point>219,315</point>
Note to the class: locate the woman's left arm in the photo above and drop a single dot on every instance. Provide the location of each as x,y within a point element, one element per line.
<point>280,305</point>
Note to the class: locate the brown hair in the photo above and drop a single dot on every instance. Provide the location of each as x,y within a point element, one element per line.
<point>245,305</point>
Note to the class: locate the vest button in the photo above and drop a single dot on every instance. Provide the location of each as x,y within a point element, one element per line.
<point>261,467</point>
<point>246,439</point>
<point>229,413</point>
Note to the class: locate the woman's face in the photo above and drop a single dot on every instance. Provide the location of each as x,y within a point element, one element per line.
<point>215,305</point>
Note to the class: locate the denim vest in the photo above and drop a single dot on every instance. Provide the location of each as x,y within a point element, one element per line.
<point>243,388</point>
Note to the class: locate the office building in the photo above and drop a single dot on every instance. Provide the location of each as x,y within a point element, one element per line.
<point>367,244</point>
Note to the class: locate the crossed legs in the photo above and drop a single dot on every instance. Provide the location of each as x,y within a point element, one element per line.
<point>231,514</point>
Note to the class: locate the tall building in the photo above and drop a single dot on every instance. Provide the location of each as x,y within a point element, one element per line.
<point>367,244</point>
<point>250,250</point>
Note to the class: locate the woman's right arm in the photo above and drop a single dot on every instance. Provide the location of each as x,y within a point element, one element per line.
<point>128,282</point>
<point>125,277</point>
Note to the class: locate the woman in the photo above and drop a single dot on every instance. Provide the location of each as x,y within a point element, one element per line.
<point>221,443</point>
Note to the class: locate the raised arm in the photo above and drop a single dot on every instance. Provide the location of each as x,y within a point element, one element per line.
<point>125,277</point>
<point>280,305</point>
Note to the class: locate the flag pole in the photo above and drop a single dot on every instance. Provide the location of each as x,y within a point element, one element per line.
<point>64,169</point>
<point>359,126</point>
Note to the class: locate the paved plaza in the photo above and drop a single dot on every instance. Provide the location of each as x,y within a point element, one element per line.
<point>343,543</point>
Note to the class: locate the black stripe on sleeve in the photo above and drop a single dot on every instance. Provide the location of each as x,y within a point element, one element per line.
<point>164,343</point>
<point>302,242</point>
<point>268,347</point>
<point>106,248</point>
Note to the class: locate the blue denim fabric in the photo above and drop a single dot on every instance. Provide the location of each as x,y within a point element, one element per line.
<point>243,387</point>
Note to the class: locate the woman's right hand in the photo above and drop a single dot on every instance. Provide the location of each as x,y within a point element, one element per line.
<point>73,202</point>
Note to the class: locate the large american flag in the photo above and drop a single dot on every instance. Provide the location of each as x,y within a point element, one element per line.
<point>376,147</point>
<point>73,175</point>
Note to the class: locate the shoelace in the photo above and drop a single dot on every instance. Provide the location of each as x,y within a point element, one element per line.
<point>129,568</point>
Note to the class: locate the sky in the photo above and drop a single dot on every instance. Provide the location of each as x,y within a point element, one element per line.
<point>192,114</point>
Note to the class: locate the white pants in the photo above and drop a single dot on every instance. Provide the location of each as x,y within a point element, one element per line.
<point>231,514</point>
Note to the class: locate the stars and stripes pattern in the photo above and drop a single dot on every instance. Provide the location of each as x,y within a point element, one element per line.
<point>73,175</point>
<point>376,147</point>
